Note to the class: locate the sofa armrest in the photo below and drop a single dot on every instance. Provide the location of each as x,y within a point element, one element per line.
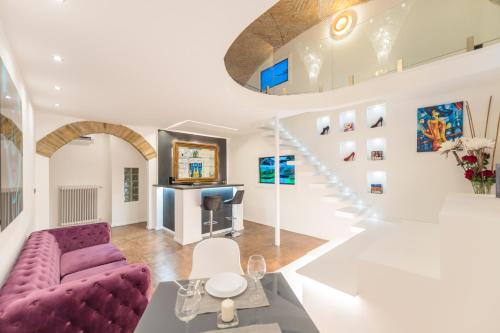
<point>108,302</point>
<point>80,236</point>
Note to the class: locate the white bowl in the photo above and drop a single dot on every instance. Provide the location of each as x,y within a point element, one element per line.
<point>226,285</point>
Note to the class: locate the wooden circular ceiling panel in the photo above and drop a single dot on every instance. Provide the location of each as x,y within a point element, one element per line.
<point>280,24</point>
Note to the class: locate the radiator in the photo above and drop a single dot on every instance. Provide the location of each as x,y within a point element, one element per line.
<point>78,204</point>
<point>11,204</point>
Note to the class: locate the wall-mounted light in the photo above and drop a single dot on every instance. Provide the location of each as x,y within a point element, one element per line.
<point>343,24</point>
<point>57,58</point>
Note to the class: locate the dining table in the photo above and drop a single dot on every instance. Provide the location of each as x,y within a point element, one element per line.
<point>285,309</point>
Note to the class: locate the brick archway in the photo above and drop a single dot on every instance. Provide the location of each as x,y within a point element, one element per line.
<point>50,143</point>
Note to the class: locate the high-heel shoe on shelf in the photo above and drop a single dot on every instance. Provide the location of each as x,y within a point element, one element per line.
<point>325,131</point>
<point>350,157</point>
<point>379,123</point>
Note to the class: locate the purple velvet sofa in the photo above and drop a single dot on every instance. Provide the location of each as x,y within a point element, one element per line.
<point>73,280</point>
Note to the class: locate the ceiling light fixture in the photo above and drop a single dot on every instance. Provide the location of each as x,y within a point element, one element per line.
<point>8,97</point>
<point>57,105</point>
<point>343,24</point>
<point>57,58</point>
<point>58,88</point>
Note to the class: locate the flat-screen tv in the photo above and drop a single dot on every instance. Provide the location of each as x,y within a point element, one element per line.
<point>274,75</point>
<point>287,171</point>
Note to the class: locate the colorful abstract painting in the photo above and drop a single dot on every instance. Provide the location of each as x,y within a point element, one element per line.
<point>287,171</point>
<point>437,124</point>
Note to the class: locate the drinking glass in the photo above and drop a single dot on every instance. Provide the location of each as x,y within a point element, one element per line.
<point>187,305</point>
<point>256,270</point>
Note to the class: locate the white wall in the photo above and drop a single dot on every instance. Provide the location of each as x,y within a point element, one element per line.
<point>101,163</point>
<point>13,237</point>
<point>123,155</point>
<point>82,165</point>
<point>416,182</point>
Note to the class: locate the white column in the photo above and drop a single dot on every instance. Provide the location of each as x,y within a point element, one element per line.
<point>277,238</point>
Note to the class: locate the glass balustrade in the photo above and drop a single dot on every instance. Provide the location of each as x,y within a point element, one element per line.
<point>358,43</point>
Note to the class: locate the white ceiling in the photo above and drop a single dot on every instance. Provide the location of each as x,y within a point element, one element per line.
<point>153,62</point>
<point>160,62</point>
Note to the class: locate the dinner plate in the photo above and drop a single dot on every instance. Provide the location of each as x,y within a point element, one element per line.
<point>225,285</point>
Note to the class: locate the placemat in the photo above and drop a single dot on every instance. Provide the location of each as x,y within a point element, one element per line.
<point>243,301</point>
<point>263,328</point>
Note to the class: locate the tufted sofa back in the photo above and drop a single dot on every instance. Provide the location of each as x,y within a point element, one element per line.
<point>37,267</point>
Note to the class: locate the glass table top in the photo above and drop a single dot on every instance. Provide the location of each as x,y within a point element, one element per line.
<point>285,309</point>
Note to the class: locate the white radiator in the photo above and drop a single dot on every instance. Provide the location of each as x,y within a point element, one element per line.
<point>11,204</point>
<point>78,204</point>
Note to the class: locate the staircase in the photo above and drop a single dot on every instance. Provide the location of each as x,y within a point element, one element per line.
<point>361,242</point>
<point>346,204</point>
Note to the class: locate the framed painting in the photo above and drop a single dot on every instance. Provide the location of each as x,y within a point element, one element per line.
<point>287,171</point>
<point>11,150</point>
<point>194,162</point>
<point>438,124</point>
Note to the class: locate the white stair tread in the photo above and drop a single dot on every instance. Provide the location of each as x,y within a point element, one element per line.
<point>330,198</point>
<point>338,268</point>
<point>350,212</point>
<point>412,247</point>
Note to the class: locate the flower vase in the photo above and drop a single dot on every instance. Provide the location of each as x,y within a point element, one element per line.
<point>481,187</point>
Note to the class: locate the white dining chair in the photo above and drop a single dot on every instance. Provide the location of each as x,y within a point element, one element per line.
<point>215,255</point>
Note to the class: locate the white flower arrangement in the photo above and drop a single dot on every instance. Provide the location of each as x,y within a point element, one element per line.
<point>475,144</point>
<point>468,144</point>
<point>449,146</point>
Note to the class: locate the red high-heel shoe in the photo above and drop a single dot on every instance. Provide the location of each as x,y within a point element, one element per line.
<point>350,157</point>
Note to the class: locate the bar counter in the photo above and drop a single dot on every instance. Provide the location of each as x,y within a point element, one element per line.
<point>179,210</point>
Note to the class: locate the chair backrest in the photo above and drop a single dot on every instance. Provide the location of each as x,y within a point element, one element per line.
<point>212,202</point>
<point>238,197</point>
<point>215,255</point>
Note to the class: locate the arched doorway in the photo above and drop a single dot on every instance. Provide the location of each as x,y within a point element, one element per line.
<point>50,143</point>
<point>57,143</point>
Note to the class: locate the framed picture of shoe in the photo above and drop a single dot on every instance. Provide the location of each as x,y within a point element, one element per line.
<point>376,189</point>
<point>323,125</point>
<point>377,155</point>
<point>348,127</point>
<point>375,116</point>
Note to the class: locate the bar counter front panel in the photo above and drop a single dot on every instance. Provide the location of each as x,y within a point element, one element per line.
<point>182,207</point>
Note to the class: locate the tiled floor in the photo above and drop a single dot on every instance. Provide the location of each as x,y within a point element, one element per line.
<point>169,260</point>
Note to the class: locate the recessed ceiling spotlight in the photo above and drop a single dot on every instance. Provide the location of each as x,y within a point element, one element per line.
<point>343,24</point>
<point>57,105</point>
<point>57,58</point>
<point>61,1</point>
<point>8,97</point>
<point>403,5</point>
<point>58,88</point>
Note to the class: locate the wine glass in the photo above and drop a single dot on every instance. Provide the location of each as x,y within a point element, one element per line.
<point>187,305</point>
<point>256,269</point>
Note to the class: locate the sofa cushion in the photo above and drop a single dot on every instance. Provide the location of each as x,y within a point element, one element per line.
<point>89,257</point>
<point>37,267</point>
<point>94,270</point>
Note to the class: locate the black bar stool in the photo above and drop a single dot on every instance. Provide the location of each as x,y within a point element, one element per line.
<point>211,203</point>
<point>236,200</point>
